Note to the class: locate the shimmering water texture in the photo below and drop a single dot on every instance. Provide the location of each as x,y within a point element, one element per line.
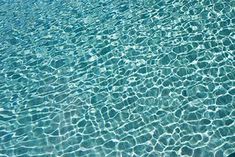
<point>117,78</point>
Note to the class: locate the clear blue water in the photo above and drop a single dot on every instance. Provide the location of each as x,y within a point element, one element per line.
<point>117,78</point>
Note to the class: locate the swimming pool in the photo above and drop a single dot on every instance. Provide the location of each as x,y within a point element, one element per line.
<point>117,78</point>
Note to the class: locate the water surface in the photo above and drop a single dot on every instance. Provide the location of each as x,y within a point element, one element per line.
<point>117,78</point>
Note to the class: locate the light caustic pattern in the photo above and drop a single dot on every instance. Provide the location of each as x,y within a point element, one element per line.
<point>117,78</point>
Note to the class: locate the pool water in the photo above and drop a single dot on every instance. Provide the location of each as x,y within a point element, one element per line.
<point>117,78</point>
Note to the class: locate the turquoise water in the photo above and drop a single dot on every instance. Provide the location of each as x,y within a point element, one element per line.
<point>117,78</point>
